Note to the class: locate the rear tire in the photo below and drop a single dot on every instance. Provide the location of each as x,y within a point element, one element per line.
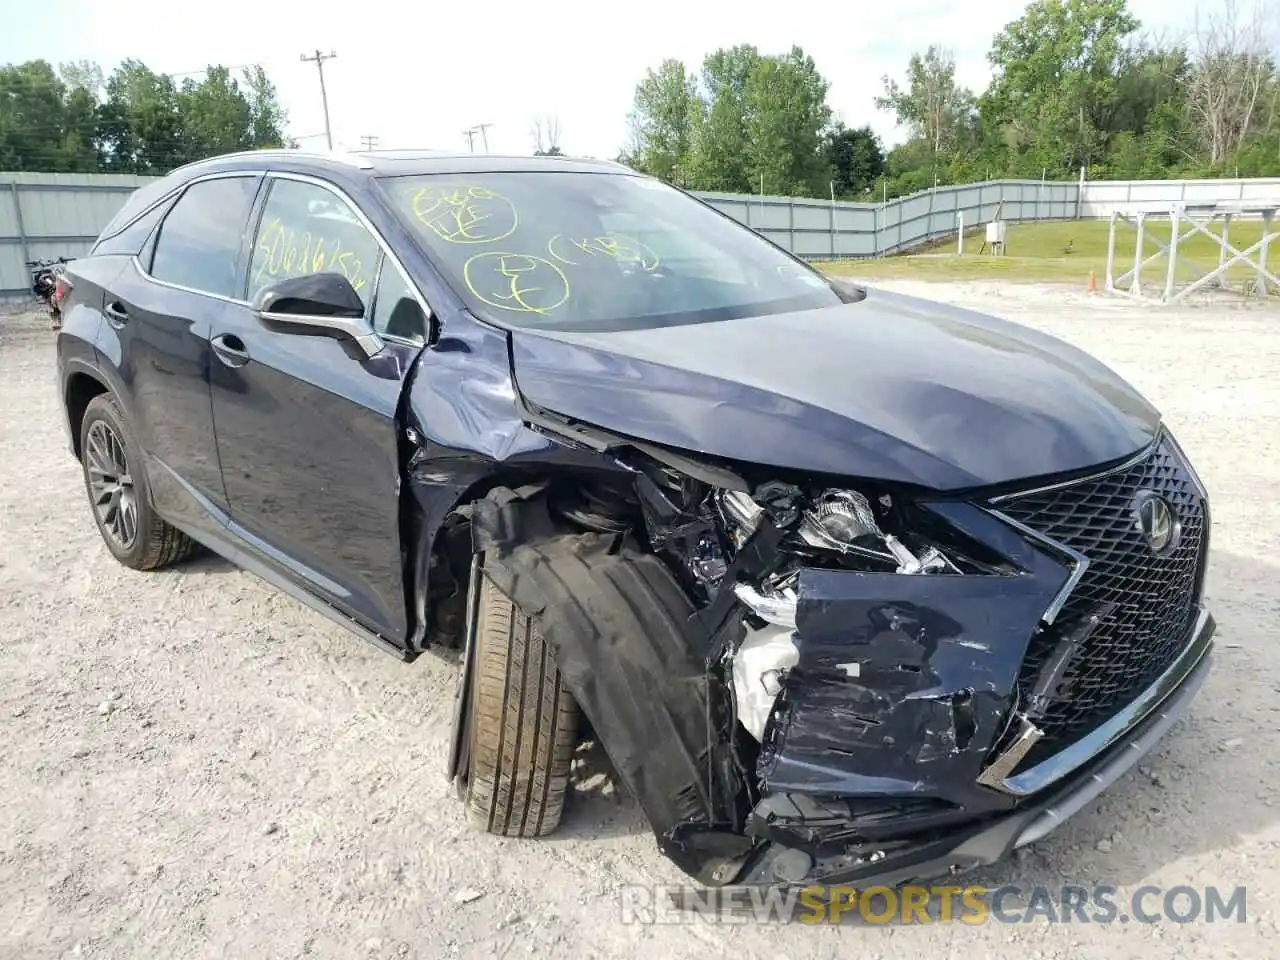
<point>116,482</point>
<point>521,724</point>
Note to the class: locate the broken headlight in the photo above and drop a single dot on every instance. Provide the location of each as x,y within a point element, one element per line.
<point>836,522</point>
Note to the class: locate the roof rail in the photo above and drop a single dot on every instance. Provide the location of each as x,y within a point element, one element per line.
<point>285,153</point>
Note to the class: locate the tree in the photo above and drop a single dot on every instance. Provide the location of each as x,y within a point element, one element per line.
<point>138,121</point>
<point>546,136</point>
<point>1055,84</point>
<point>718,157</point>
<point>140,124</point>
<point>932,106</point>
<point>1232,71</point>
<point>267,119</point>
<point>855,158</point>
<point>661,120</point>
<point>215,115</point>
<point>785,100</point>
<point>32,117</point>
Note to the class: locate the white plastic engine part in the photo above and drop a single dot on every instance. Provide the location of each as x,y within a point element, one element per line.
<point>758,668</point>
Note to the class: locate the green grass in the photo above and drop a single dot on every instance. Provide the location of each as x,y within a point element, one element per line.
<point>1036,253</point>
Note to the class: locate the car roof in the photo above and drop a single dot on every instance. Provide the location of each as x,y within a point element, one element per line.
<point>345,167</point>
<point>398,162</point>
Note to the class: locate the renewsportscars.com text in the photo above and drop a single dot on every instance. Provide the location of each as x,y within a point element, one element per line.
<point>970,904</point>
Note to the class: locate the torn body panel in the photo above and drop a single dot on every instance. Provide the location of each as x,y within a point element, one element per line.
<point>902,683</point>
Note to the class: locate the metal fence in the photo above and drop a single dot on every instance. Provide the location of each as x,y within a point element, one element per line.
<point>53,215</point>
<point>1100,198</point>
<point>820,230</point>
<point>50,215</point>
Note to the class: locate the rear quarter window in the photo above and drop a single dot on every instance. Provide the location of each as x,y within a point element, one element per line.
<point>130,240</point>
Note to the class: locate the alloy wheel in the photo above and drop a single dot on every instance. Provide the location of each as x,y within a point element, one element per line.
<point>115,500</point>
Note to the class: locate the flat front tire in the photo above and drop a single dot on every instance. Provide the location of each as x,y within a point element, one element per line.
<point>116,483</point>
<point>521,724</point>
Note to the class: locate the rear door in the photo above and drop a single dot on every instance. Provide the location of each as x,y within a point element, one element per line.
<point>306,424</point>
<point>160,312</point>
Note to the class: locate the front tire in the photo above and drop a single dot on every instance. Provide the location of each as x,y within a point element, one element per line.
<point>116,482</point>
<point>521,724</point>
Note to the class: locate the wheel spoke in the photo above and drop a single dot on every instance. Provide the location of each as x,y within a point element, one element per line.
<point>128,521</point>
<point>110,484</point>
<point>117,453</point>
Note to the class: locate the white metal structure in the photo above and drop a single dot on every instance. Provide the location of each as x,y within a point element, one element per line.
<point>1186,220</point>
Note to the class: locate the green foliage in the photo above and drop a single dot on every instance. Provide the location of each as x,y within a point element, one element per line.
<point>1075,85</point>
<point>748,121</point>
<point>855,159</point>
<point>137,121</point>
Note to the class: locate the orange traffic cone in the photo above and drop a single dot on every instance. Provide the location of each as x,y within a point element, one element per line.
<point>1093,282</point>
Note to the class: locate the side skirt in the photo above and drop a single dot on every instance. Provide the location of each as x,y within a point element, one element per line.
<point>232,549</point>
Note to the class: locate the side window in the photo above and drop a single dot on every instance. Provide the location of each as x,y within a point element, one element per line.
<point>396,310</point>
<point>306,229</point>
<point>199,242</point>
<point>130,240</point>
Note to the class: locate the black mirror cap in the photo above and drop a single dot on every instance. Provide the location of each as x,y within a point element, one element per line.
<point>312,295</point>
<point>847,290</point>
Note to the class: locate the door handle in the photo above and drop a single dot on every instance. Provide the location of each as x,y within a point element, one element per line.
<point>230,349</point>
<point>117,315</point>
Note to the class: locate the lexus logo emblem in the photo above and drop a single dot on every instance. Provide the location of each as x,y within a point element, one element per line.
<point>1157,521</point>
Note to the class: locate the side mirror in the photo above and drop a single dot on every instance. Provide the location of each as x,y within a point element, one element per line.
<point>321,303</point>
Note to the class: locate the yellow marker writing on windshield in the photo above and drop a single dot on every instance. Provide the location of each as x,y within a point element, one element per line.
<point>518,282</point>
<point>465,214</point>
<point>624,249</point>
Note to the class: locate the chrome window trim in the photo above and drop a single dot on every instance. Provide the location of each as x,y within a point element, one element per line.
<point>381,241</point>
<point>219,175</point>
<point>388,253</point>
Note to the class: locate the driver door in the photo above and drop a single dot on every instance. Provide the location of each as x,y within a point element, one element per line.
<point>305,424</point>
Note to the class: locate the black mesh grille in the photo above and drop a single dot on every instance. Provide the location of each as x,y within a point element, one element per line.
<point>1155,597</point>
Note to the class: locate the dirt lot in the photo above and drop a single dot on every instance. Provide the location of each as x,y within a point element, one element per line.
<point>194,766</point>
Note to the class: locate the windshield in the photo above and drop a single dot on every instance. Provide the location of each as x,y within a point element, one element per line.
<point>584,251</point>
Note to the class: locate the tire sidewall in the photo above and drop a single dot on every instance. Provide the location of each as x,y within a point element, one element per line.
<point>105,408</point>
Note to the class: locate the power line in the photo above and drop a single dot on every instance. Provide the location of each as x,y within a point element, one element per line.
<point>369,140</point>
<point>318,59</point>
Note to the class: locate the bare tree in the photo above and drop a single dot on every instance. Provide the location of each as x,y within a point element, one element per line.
<point>1232,65</point>
<point>931,105</point>
<point>546,136</point>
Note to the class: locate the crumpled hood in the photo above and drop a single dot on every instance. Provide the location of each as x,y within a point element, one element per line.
<point>893,388</point>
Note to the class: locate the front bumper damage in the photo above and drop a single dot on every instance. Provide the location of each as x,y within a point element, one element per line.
<point>1043,798</point>
<point>894,748</point>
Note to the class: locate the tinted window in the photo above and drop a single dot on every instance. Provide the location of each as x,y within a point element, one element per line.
<point>396,310</point>
<point>131,238</point>
<point>199,242</point>
<point>597,251</point>
<point>307,229</point>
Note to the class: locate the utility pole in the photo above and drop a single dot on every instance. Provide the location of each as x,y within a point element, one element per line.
<point>470,134</point>
<point>318,59</point>
<point>369,140</point>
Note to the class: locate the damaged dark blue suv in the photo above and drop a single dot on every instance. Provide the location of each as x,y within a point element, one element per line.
<point>847,585</point>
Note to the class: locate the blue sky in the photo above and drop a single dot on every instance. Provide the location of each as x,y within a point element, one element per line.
<point>417,74</point>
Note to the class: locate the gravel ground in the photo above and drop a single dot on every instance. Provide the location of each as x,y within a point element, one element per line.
<point>194,766</point>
